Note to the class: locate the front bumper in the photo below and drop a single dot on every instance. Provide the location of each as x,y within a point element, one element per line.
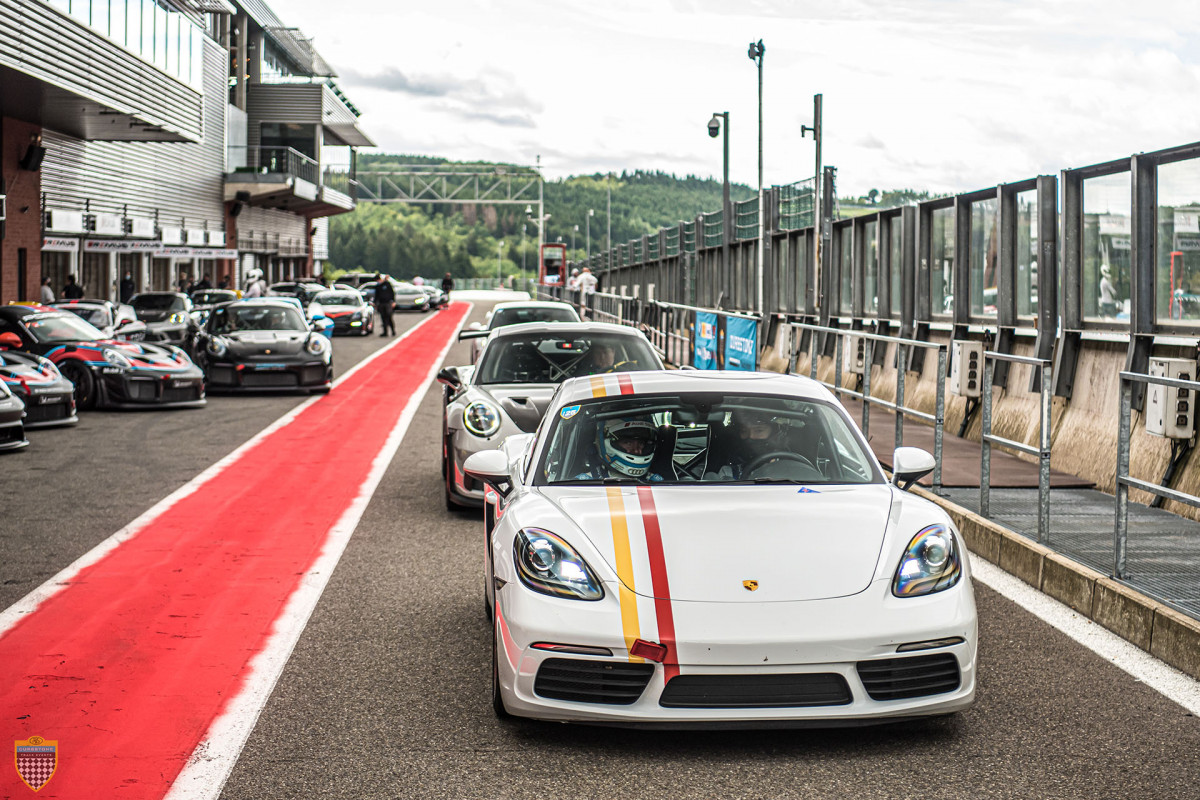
<point>152,389</point>
<point>747,644</point>
<point>48,406</point>
<point>167,332</point>
<point>12,430</point>
<point>269,376</point>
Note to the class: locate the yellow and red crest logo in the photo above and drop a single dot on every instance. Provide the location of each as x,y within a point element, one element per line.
<point>750,585</point>
<point>37,760</point>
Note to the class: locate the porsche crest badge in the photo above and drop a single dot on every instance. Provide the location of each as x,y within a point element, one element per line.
<point>750,586</point>
<point>36,759</point>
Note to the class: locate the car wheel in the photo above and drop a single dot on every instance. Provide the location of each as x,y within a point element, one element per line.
<point>85,383</point>
<point>497,699</point>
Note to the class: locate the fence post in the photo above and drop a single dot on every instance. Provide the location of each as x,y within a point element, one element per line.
<point>901,360</point>
<point>985,449</point>
<point>1121,531</point>
<point>1044,459</point>
<point>868,353</point>
<point>837,367</point>
<point>939,419</point>
<point>812,355</point>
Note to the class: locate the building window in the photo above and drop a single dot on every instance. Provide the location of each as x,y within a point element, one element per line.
<point>871,268</point>
<point>897,253</point>
<point>941,262</point>
<point>985,258</point>
<point>1027,253</point>
<point>1177,271</point>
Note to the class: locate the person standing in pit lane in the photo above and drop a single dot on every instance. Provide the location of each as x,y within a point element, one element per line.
<point>72,290</point>
<point>447,286</point>
<point>385,303</point>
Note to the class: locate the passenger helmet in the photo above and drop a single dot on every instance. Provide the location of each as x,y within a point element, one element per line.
<point>627,445</point>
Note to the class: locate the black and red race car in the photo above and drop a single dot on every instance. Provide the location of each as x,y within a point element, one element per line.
<point>105,372</point>
<point>49,397</point>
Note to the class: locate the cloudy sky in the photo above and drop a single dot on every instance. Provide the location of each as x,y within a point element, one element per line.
<point>944,95</point>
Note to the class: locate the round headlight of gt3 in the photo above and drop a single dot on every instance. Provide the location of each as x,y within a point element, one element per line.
<point>316,345</point>
<point>932,562</point>
<point>217,346</point>
<point>549,565</point>
<point>481,418</point>
<point>178,318</point>
<point>117,359</point>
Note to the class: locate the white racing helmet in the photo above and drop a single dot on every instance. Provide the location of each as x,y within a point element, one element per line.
<point>627,445</point>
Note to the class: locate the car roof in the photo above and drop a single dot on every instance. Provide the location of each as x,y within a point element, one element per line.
<point>173,294</point>
<point>289,302</point>
<point>565,329</point>
<point>722,382</point>
<point>531,304</point>
<point>13,311</point>
<point>93,301</point>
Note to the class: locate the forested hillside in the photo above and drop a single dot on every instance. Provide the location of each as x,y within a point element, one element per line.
<point>408,240</point>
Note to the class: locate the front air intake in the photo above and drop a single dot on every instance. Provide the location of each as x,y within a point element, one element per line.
<point>584,681</point>
<point>903,678</point>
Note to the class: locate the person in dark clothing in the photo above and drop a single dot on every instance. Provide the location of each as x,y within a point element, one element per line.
<point>127,287</point>
<point>447,286</point>
<point>385,303</point>
<point>184,284</point>
<point>201,285</point>
<point>224,282</point>
<point>72,290</point>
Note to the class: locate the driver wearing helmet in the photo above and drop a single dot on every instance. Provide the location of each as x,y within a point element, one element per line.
<point>758,434</point>
<point>624,448</point>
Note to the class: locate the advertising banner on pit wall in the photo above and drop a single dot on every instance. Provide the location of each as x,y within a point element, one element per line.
<point>741,343</point>
<point>705,356</point>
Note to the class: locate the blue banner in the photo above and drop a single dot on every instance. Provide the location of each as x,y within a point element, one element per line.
<point>705,356</point>
<point>741,343</point>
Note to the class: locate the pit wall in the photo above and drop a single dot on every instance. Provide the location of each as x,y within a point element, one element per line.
<point>1084,429</point>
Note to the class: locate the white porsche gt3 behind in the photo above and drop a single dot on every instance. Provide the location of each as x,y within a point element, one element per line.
<point>706,548</point>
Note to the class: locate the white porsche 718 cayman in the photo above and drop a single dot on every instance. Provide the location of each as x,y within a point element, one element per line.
<point>717,548</point>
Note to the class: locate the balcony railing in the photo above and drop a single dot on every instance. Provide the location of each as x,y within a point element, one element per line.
<point>273,161</point>
<point>340,178</point>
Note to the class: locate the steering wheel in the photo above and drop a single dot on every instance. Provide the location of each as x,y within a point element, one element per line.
<point>777,455</point>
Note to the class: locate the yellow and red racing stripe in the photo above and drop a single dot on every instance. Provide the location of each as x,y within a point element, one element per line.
<point>658,578</point>
<point>624,561</point>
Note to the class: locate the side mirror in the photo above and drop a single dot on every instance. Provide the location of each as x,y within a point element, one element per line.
<point>10,340</point>
<point>490,467</point>
<point>450,377</point>
<point>909,465</point>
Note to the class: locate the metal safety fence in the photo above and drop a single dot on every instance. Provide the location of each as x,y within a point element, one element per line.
<point>1041,452</point>
<point>904,347</point>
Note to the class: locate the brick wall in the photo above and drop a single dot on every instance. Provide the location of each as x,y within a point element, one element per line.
<point>23,228</point>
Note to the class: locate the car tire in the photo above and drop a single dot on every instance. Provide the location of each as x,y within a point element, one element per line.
<point>497,698</point>
<point>85,383</point>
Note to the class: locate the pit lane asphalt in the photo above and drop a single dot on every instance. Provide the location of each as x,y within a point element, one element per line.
<point>387,692</point>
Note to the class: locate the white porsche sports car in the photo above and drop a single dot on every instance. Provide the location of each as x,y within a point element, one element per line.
<point>718,548</point>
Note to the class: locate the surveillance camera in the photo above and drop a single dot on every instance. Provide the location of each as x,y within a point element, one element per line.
<point>714,127</point>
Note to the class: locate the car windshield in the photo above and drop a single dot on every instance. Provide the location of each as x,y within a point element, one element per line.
<point>60,327</point>
<point>704,438</point>
<point>339,299</point>
<point>232,319</point>
<point>211,298</point>
<point>515,316</point>
<point>97,315</point>
<point>552,358</point>
<point>157,302</point>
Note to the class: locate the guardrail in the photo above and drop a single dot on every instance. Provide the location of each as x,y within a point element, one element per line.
<point>903,349</point>
<point>1124,481</point>
<point>1041,452</point>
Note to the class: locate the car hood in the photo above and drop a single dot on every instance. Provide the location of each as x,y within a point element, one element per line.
<point>338,310</point>
<point>524,403</point>
<point>142,355</point>
<point>283,343</point>
<point>149,316</point>
<point>792,543</point>
<point>15,369</point>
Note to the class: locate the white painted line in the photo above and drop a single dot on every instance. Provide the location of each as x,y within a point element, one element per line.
<point>1166,680</point>
<point>204,776</point>
<point>32,601</point>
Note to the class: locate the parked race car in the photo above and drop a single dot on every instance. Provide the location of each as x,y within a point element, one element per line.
<point>12,430</point>
<point>710,548</point>
<point>105,372</point>
<point>507,392</point>
<point>49,398</point>
<point>167,316</point>
<point>264,344</point>
<point>113,320</point>
<point>348,311</point>
<point>437,298</point>
<point>301,290</point>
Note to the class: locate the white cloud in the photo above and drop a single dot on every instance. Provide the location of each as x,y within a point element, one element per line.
<point>925,94</point>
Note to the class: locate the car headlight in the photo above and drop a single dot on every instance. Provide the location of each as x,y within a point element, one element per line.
<point>481,418</point>
<point>420,301</point>
<point>316,345</point>
<point>48,367</point>
<point>932,562</point>
<point>549,565</point>
<point>116,359</point>
<point>356,315</point>
<point>217,346</point>
<point>178,318</point>
<point>178,352</point>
